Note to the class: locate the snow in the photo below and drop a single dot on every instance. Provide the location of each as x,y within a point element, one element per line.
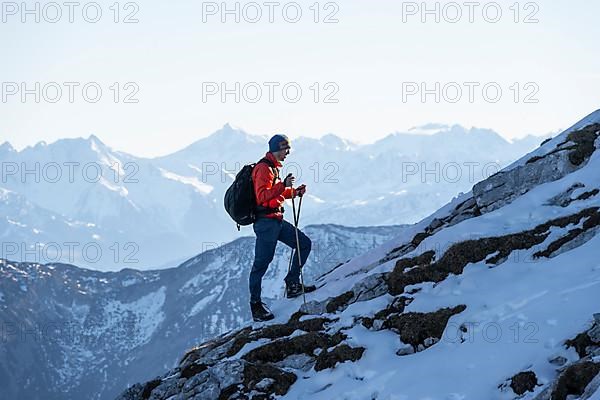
<point>79,312</point>
<point>193,284</point>
<point>147,312</point>
<point>10,221</point>
<point>595,396</point>
<point>199,306</point>
<point>200,187</point>
<point>130,281</point>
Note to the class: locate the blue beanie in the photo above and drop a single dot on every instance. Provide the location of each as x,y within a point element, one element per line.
<point>279,142</point>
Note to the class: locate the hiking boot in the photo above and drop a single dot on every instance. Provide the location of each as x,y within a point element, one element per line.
<point>295,289</point>
<point>260,312</point>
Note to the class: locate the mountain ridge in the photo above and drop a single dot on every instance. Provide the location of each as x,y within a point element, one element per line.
<point>228,130</point>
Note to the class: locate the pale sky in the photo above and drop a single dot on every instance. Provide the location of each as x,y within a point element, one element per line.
<point>371,58</point>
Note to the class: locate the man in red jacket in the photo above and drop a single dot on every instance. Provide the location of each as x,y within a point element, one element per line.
<point>270,226</point>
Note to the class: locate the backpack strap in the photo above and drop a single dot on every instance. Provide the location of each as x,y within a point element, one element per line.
<point>273,168</point>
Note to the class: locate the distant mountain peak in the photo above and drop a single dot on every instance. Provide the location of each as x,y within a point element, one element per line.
<point>229,129</point>
<point>233,135</point>
<point>331,137</point>
<point>6,147</point>
<point>436,127</point>
<point>94,138</point>
<point>95,143</point>
<point>336,142</point>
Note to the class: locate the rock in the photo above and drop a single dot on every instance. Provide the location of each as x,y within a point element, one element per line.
<point>594,333</point>
<point>591,388</point>
<point>588,194</point>
<point>192,369</point>
<point>314,307</point>
<point>575,237</point>
<point>544,394</point>
<point>281,380</point>
<point>212,350</point>
<point>405,350</point>
<point>594,351</point>
<point>411,272</point>
<point>564,199</point>
<point>297,361</point>
<point>415,328</point>
<point>435,224</point>
<point>557,360</point>
<point>523,382</point>
<point>279,350</point>
<point>276,331</point>
<point>378,324</point>
<point>340,302</point>
<point>265,384</point>
<point>575,379</point>
<point>580,343</point>
<point>504,186</point>
<point>340,354</point>
<point>372,286</point>
<point>132,393</point>
<point>203,383</point>
<point>396,307</point>
<point>367,322</point>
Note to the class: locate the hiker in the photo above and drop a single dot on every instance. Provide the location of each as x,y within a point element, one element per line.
<point>270,227</point>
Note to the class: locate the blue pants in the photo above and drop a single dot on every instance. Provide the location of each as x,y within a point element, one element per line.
<point>268,232</point>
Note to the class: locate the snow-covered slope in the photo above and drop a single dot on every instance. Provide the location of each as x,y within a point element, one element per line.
<point>69,333</point>
<point>494,296</point>
<point>147,212</point>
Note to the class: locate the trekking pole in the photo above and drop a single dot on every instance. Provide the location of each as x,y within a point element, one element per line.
<point>296,220</point>
<point>295,224</point>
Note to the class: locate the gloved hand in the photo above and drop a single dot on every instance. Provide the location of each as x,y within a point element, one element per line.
<point>300,190</point>
<point>289,180</point>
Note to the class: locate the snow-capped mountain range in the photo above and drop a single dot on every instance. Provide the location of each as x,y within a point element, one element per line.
<point>69,333</point>
<point>494,296</point>
<point>79,201</point>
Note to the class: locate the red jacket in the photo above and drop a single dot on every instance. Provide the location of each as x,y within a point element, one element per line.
<point>267,193</point>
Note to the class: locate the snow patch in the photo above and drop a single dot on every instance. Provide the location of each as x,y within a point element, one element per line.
<point>199,306</point>
<point>200,187</point>
<point>146,313</point>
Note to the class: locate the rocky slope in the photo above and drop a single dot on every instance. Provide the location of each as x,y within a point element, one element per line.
<point>72,333</point>
<point>491,297</point>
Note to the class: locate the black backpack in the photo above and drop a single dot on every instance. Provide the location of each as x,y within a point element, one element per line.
<point>240,202</point>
